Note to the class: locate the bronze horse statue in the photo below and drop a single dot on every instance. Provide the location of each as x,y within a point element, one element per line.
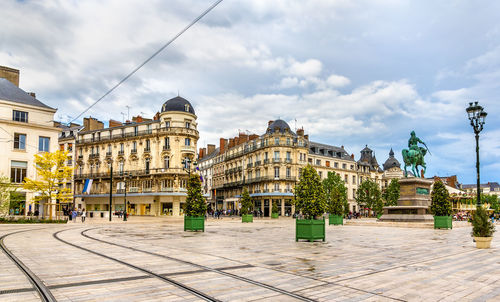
<point>414,158</point>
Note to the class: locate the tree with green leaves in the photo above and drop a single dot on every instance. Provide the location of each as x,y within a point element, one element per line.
<point>52,173</point>
<point>7,190</point>
<point>246,203</point>
<point>392,193</point>
<point>309,194</point>
<point>195,204</point>
<point>369,196</point>
<point>335,194</point>
<point>481,224</point>
<point>274,209</point>
<point>440,197</point>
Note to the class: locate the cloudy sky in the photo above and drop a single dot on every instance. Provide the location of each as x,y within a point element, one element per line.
<point>350,72</point>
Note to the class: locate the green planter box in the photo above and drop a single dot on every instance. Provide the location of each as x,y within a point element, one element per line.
<point>310,229</point>
<point>335,219</point>
<point>194,223</point>
<point>247,218</point>
<point>443,222</point>
<point>275,215</point>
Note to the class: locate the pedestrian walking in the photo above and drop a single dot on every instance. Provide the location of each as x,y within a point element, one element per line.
<point>84,214</point>
<point>74,214</point>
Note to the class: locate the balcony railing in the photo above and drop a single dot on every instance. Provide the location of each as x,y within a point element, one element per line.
<point>168,130</point>
<point>167,147</point>
<point>249,165</point>
<point>133,151</point>
<point>147,150</point>
<point>276,160</point>
<point>121,152</point>
<point>257,163</point>
<point>108,154</point>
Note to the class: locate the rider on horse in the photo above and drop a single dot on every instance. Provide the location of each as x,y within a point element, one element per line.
<point>414,155</point>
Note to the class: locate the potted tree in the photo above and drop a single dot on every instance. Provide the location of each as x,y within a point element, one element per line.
<point>336,197</point>
<point>195,206</point>
<point>246,207</point>
<point>441,206</point>
<point>482,228</point>
<point>310,201</point>
<point>274,211</point>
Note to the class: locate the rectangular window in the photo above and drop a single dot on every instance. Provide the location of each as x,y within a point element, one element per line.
<point>188,125</point>
<point>276,187</point>
<point>276,140</point>
<point>336,165</point>
<point>148,129</point>
<point>276,155</point>
<point>167,124</point>
<point>121,147</point>
<point>61,147</point>
<point>318,162</point>
<point>288,155</point>
<point>187,142</point>
<point>19,141</point>
<point>344,166</point>
<point>353,179</point>
<point>288,172</point>
<point>346,179</point>
<point>320,174</point>
<point>288,141</point>
<point>136,130</point>
<point>18,171</point>
<point>327,163</point>
<point>166,146</point>
<point>43,144</point>
<point>276,172</point>
<point>70,146</point>
<point>20,116</point>
<point>166,162</point>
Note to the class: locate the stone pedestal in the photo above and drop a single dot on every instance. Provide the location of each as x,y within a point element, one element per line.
<point>414,202</point>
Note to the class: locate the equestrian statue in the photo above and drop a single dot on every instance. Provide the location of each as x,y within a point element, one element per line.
<point>414,155</point>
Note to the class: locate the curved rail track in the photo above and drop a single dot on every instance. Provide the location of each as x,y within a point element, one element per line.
<point>193,291</point>
<point>202,267</point>
<point>43,291</point>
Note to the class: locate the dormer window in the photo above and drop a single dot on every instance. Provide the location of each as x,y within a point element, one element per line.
<point>186,108</point>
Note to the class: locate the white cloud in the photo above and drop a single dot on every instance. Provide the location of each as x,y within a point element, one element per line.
<point>338,81</point>
<point>309,68</point>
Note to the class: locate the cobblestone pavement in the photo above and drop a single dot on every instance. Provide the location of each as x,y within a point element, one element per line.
<point>257,261</point>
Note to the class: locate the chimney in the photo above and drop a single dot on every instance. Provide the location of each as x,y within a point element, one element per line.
<point>157,116</point>
<point>231,143</point>
<point>138,119</point>
<point>32,94</point>
<point>253,136</point>
<point>10,74</point>
<point>269,123</point>
<point>210,149</point>
<point>243,138</point>
<point>113,123</point>
<point>352,155</point>
<point>342,146</point>
<point>222,144</point>
<point>300,132</point>
<point>90,123</point>
<point>200,153</point>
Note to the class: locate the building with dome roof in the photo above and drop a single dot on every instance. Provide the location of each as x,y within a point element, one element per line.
<point>392,168</point>
<point>270,165</point>
<point>148,158</point>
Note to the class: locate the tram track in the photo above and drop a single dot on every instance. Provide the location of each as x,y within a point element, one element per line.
<point>38,285</point>
<point>184,287</point>
<point>203,267</point>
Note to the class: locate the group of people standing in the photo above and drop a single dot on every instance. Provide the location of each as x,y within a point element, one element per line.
<point>75,213</point>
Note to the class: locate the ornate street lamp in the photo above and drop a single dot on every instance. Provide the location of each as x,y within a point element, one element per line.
<point>187,165</point>
<point>125,197</point>
<point>110,163</point>
<point>476,117</point>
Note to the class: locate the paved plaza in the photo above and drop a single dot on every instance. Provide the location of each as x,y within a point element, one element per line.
<point>152,259</point>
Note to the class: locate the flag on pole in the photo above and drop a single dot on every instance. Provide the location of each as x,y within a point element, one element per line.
<point>87,186</point>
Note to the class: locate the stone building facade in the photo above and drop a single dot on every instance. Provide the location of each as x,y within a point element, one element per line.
<point>270,165</point>
<point>149,159</point>
<point>27,128</point>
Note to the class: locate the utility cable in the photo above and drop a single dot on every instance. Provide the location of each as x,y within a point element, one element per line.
<point>150,58</point>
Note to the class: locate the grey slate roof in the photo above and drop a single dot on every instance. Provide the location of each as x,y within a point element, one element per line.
<point>391,161</point>
<point>281,125</point>
<point>177,104</point>
<point>12,93</point>
<point>209,156</point>
<point>327,150</point>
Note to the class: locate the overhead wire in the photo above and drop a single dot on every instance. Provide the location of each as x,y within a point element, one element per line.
<point>149,59</point>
